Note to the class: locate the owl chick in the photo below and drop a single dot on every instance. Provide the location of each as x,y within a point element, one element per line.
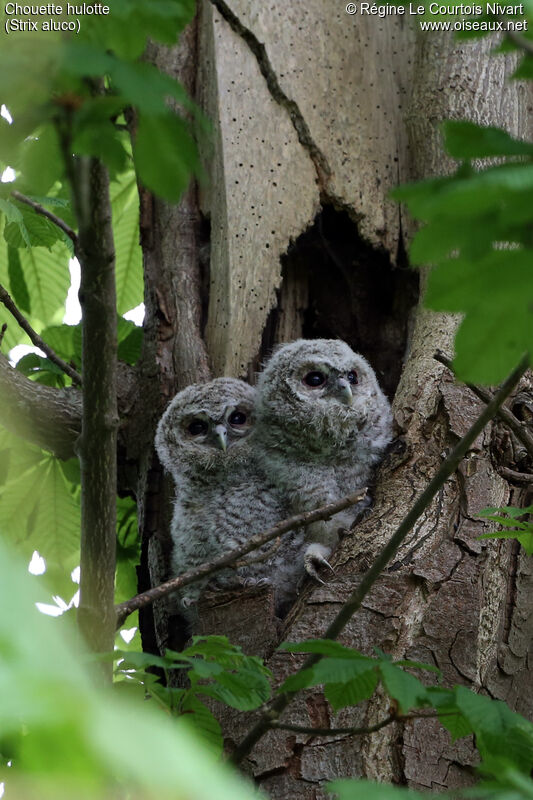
<point>323,423</point>
<point>221,498</point>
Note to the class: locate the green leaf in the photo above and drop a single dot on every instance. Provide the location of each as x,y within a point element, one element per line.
<point>168,136</point>
<point>69,739</point>
<point>39,510</point>
<point>244,690</point>
<point>47,277</point>
<point>203,724</point>
<point>464,139</point>
<point>350,693</point>
<point>128,265</point>
<point>33,231</point>
<point>61,339</point>
<point>341,670</point>
<point>17,281</point>
<point>407,690</point>
<point>40,162</point>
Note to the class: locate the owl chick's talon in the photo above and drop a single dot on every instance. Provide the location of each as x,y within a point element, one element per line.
<point>315,557</point>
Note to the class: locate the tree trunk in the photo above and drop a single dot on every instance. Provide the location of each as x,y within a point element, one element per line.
<point>305,242</point>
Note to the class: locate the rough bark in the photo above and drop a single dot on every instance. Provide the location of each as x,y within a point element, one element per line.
<point>448,599</point>
<point>174,354</point>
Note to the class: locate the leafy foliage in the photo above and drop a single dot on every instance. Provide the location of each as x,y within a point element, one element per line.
<point>509,518</point>
<point>66,738</point>
<point>215,669</point>
<point>477,235</point>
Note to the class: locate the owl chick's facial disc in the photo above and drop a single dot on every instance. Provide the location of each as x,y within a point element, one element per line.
<point>205,424</point>
<point>325,388</point>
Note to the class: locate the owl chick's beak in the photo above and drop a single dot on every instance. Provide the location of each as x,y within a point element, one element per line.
<point>345,391</point>
<point>221,437</point>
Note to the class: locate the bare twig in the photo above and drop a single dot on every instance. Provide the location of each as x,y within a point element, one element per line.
<point>354,602</point>
<point>39,209</point>
<point>283,726</point>
<point>123,610</point>
<point>504,414</point>
<point>395,717</point>
<point>6,299</point>
<point>3,330</point>
<point>514,476</point>
<point>520,41</point>
<point>247,562</point>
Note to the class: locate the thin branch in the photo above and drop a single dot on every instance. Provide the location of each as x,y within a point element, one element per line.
<point>520,41</point>
<point>354,602</point>
<point>513,476</point>
<point>283,726</point>
<point>123,610</point>
<point>3,330</point>
<point>247,562</point>
<point>505,415</point>
<point>39,209</point>
<point>286,726</point>
<point>36,339</point>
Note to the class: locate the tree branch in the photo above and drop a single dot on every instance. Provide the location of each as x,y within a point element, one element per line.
<point>123,610</point>
<point>394,717</point>
<point>285,726</point>
<point>89,184</point>
<point>39,209</point>
<point>48,417</point>
<point>520,41</point>
<point>6,299</point>
<point>505,415</point>
<point>354,602</point>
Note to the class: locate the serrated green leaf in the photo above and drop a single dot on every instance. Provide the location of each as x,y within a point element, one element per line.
<point>407,690</point>
<point>245,690</point>
<point>11,211</point>
<point>39,510</point>
<point>350,693</point>
<point>341,670</point>
<point>465,139</point>
<point>202,722</point>
<point>47,278</point>
<point>34,230</point>
<point>300,680</point>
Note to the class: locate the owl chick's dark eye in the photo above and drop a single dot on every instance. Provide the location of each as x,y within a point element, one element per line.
<point>314,379</point>
<point>237,418</point>
<point>197,427</point>
<point>352,377</point>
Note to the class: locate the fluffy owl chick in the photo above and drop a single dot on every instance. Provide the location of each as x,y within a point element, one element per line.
<point>323,423</point>
<point>221,500</point>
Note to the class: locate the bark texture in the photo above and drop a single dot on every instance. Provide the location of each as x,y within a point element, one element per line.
<point>372,95</point>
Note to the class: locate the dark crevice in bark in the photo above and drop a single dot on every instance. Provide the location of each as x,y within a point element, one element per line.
<point>336,285</point>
